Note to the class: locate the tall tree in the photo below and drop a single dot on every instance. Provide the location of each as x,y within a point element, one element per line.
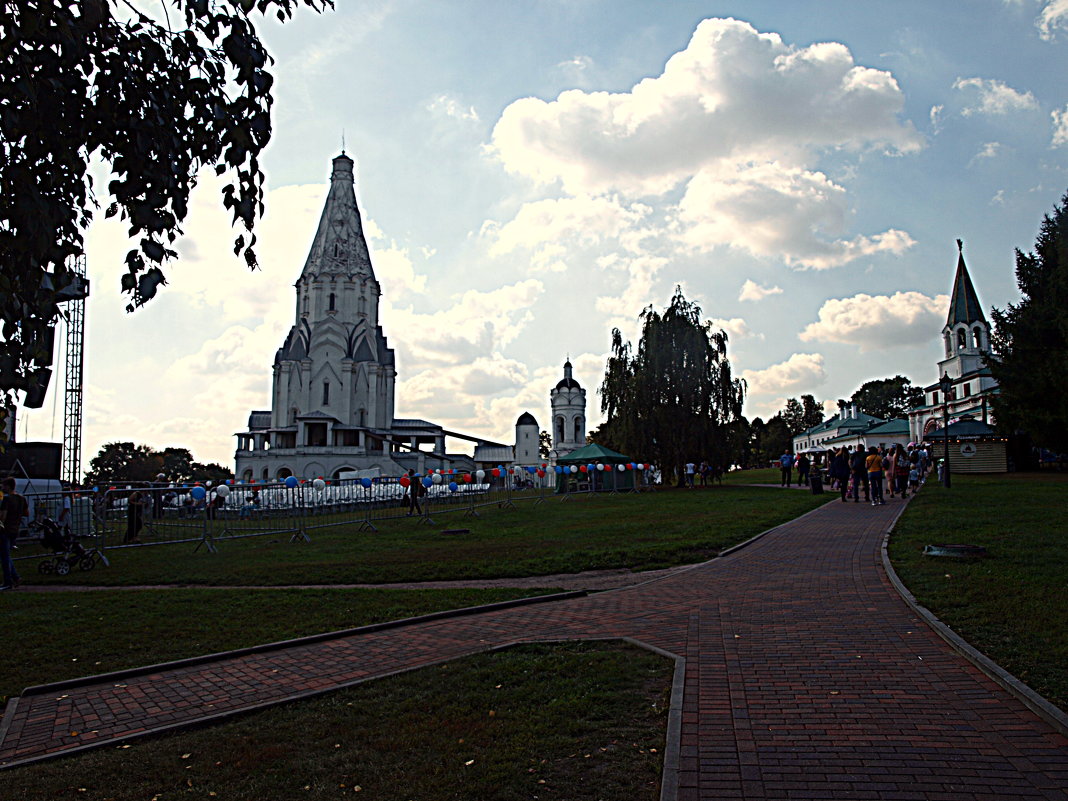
<point>794,416</point>
<point>670,401</point>
<point>887,398</point>
<point>545,444</point>
<point>124,461</point>
<point>1030,340</point>
<point>812,414</point>
<point>157,100</point>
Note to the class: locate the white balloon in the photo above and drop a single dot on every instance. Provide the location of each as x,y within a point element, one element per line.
<point>436,478</point>
<point>222,490</point>
<point>318,484</point>
<point>208,483</point>
<point>480,474</point>
<point>600,467</point>
<point>622,467</point>
<point>574,468</point>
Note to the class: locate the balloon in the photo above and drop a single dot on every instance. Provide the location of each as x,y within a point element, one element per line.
<point>405,481</point>
<point>427,481</point>
<point>541,473</point>
<point>208,483</point>
<point>583,468</point>
<point>558,469</point>
<point>600,467</point>
<point>574,468</point>
<point>222,490</point>
<point>543,465</point>
<point>530,470</point>
<point>291,481</point>
<point>365,483</point>
<point>480,474</point>
<point>453,486</point>
<point>436,478</point>
<point>198,492</point>
<point>318,484</point>
<point>496,473</point>
<point>467,478</point>
<point>622,468</point>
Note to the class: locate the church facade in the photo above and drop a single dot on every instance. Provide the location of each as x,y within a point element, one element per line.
<point>965,338</point>
<point>334,377</point>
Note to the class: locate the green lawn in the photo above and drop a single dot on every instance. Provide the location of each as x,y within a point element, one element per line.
<point>575,721</point>
<point>639,531</point>
<point>67,635</point>
<point>1013,604</point>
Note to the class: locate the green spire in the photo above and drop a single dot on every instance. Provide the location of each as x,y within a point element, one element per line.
<point>964,306</point>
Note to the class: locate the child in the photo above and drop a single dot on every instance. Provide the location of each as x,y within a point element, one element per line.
<point>914,477</point>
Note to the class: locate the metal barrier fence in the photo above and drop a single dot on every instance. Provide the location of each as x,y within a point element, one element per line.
<point>91,523</point>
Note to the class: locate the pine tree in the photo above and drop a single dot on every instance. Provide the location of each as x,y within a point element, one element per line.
<point>1030,340</point>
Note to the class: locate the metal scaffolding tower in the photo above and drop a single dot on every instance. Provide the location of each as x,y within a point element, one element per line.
<point>72,406</point>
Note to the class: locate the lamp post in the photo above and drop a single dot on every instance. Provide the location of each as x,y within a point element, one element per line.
<point>945,383</point>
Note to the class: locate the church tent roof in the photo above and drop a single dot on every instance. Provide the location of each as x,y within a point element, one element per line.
<point>964,306</point>
<point>593,453</point>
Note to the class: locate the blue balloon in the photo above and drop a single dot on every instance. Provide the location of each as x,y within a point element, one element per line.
<point>452,486</point>
<point>427,481</point>
<point>291,481</point>
<point>558,469</point>
<point>530,469</point>
<point>199,493</point>
<point>366,483</point>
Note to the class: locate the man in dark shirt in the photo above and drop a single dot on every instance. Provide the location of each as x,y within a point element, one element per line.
<point>13,508</point>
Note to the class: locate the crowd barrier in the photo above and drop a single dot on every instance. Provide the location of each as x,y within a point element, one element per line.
<point>205,516</point>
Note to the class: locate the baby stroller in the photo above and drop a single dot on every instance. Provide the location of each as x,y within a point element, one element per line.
<point>67,551</point>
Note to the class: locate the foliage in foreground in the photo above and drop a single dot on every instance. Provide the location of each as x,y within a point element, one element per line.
<point>1010,605</point>
<point>73,634</point>
<point>574,721</point>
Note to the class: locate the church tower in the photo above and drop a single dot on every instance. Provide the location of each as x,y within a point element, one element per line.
<point>568,402</point>
<point>966,333</point>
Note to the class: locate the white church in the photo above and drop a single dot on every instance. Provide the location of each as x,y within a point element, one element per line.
<point>334,378</point>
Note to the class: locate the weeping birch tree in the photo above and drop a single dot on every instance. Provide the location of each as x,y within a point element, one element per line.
<point>673,399</point>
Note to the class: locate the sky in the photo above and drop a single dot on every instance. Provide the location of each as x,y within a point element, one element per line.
<point>534,174</point>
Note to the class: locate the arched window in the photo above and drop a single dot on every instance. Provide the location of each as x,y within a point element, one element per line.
<point>559,429</point>
<point>578,429</point>
<point>333,300</point>
<point>363,305</point>
<point>962,338</point>
<point>949,349</point>
<point>977,333</point>
<point>326,393</point>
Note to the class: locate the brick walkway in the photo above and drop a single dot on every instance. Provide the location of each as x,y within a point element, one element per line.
<point>806,676</point>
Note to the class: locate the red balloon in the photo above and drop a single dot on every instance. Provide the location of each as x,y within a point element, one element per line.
<point>541,474</point>
<point>496,473</point>
<point>405,481</point>
<point>582,468</point>
<point>467,478</point>
<point>543,465</point>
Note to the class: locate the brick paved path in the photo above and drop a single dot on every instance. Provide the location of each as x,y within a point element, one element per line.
<point>806,676</point>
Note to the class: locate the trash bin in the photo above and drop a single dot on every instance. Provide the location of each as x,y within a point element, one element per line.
<point>815,480</point>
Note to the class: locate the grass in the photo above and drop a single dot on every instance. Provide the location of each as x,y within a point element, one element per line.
<point>574,721</point>
<point>645,531</point>
<point>1012,605</point>
<point>68,635</point>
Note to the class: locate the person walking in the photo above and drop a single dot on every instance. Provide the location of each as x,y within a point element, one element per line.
<point>135,517</point>
<point>690,468</point>
<point>803,466</point>
<point>414,491</point>
<point>858,464</point>
<point>901,471</point>
<point>840,470</point>
<point>786,468</point>
<point>874,464</point>
<point>13,508</point>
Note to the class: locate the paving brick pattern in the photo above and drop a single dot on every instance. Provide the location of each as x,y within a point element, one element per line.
<point>807,677</point>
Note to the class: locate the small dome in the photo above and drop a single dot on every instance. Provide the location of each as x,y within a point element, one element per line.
<point>568,383</point>
<point>526,419</point>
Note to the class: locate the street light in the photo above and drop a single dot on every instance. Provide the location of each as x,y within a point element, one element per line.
<point>945,383</point>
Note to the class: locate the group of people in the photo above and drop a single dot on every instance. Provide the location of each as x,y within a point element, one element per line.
<point>876,472</point>
<point>707,472</point>
<point>787,463</point>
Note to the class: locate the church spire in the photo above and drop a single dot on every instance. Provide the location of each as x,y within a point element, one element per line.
<point>964,306</point>
<point>339,247</point>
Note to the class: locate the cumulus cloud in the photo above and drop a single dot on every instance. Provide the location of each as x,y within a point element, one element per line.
<point>994,97</point>
<point>638,291</point>
<point>736,328</point>
<point>475,324</point>
<point>733,95</point>
<point>874,322</point>
<point>751,290</point>
<point>1060,126</point>
<point>543,227</point>
<point>800,372</point>
<point>988,151</point>
<point>1053,16</point>
<point>771,210</point>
